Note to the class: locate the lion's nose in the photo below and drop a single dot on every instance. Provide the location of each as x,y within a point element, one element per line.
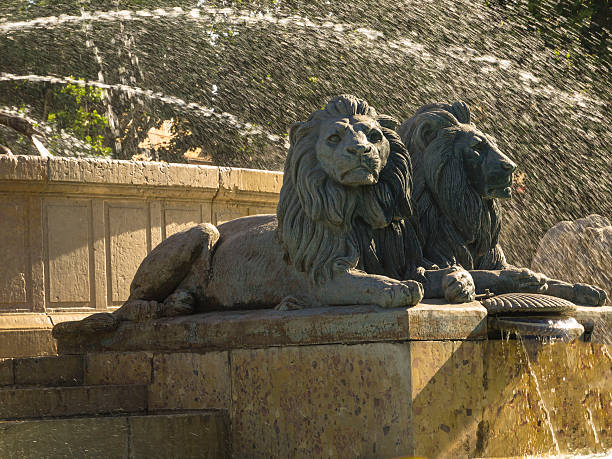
<point>359,149</point>
<point>509,166</point>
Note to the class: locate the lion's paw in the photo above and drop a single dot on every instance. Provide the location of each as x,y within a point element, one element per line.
<point>589,295</point>
<point>404,293</point>
<point>523,280</point>
<point>95,323</point>
<point>458,286</point>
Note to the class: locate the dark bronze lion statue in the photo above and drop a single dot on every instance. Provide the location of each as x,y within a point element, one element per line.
<point>343,235</point>
<point>459,174</point>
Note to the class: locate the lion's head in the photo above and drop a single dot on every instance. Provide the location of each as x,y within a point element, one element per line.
<point>439,136</point>
<point>346,168</point>
<point>458,171</point>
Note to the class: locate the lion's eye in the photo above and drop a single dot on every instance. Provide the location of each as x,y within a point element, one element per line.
<point>374,136</point>
<point>334,138</point>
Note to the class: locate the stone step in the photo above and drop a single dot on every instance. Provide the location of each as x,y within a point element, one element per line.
<point>40,402</point>
<point>65,370</point>
<point>104,368</point>
<point>185,435</point>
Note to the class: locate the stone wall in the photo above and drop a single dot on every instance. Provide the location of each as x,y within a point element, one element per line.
<point>73,231</point>
<point>350,381</point>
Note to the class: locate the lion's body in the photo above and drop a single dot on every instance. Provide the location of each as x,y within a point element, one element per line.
<point>324,227</point>
<point>471,241</point>
<point>458,174</point>
<point>249,255</point>
<point>460,225</point>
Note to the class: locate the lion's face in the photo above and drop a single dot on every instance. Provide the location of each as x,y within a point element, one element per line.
<point>352,150</point>
<point>488,170</point>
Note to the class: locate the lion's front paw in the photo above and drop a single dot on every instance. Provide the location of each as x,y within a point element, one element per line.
<point>458,287</point>
<point>589,295</point>
<point>523,280</point>
<point>404,293</point>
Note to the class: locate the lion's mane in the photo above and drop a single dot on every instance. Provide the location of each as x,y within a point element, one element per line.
<point>326,227</point>
<point>459,225</point>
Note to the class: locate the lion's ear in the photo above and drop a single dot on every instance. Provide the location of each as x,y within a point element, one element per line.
<point>388,122</point>
<point>293,130</point>
<point>461,111</point>
<point>426,132</point>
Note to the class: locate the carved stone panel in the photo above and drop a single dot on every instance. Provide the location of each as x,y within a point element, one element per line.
<point>14,264</point>
<point>128,241</point>
<point>179,217</point>
<point>69,249</point>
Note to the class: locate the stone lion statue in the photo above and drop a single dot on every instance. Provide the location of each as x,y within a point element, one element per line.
<point>343,235</point>
<point>580,248</point>
<point>459,174</point>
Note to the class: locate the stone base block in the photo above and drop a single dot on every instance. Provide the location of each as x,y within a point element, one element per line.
<point>322,401</point>
<point>65,370</point>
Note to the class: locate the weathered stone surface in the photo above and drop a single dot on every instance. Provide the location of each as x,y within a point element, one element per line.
<point>193,435</point>
<point>315,401</point>
<point>23,168</point>
<point>68,238</point>
<point>14,267</point>
<point>66,370</point>
<point>113,172</point>
<point>578,251</point>
<point>241,329</point>
<point>447,397</point>
<point>118,368</point>
<point>27,321</point>
<point>100,437</point>
<point>7,375</point>
<point>71,401</point>
<point>190,381</point>
<point>236,180</point>
<point>27,343</point>
<point>434,320</point>
<point>245,192</point>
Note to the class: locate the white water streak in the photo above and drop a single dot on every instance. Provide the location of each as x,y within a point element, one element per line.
<point>40,147</point>
<point>542,402</point>
<point>232,120</point>
<point>589,419</point>
<point>113,121</point>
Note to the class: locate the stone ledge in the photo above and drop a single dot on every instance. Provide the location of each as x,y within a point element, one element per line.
<point>431,320</point>
<point>32,173</point>
<point>29,334</point>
